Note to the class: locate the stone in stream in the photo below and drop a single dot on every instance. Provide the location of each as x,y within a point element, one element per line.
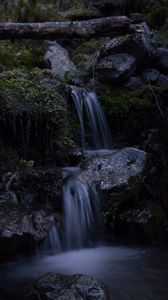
<point>68,287</point>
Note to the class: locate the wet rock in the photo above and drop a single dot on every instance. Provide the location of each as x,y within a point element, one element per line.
<point>134,83</point>
<point>58,60</point>
<point>117,178</point>
<point>54,286</point>
<point>162,81</point>
<point>116,68</point>
<point>162,60</point>
<point>113,171</point>
<point>138,45</point>
<point>21,230</point>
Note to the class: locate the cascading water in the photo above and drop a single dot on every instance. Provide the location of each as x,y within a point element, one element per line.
<point>99,128</point>
<point>81,203</point>
<point>81,213</point>
<point>52,244</point>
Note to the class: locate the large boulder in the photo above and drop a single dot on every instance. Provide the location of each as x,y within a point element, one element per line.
<point>54,286</point>
<point>58,60</point>
<point>113,171</point>
<point>116,68</point>
<point>117,177</point>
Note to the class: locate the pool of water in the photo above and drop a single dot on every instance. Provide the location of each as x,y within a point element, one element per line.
<point>129,273</point>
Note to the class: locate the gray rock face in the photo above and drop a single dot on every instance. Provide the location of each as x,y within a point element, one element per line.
<point>113,171</point>
<point>138,45</point>
<point>58,60</point>
<point>162,61</point>
<point>21,230</point>
<point>117,177</point>
<point>70,287</point>
<point>116,68</point>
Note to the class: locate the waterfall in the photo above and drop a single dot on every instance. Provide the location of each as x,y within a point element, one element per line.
<point>52,243</point>
<point>81,214</point>
<point>81,203</point>
<point>87,102</point>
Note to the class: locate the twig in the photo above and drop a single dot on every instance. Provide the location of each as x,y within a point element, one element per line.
<point>155,97</point>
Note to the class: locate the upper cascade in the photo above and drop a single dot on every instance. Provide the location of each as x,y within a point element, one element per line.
<point>86,102</point>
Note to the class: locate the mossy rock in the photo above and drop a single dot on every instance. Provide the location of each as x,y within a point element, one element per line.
<point>33,114</point>
<point>131,114</point>
<point>22,54</point>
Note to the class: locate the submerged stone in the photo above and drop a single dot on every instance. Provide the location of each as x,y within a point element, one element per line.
<point>54,286</point>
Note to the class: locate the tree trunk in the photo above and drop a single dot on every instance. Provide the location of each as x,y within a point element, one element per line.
<point>111,26</point>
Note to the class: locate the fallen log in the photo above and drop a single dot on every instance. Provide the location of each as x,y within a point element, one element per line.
<point>110,26</point>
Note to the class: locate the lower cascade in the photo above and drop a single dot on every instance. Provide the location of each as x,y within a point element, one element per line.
<point>52,244</point>
<point>81,204</point>
<point>81,214</point>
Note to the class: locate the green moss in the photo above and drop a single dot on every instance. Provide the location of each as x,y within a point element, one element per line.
<point>158,15</point>
<point>21,92</point>
<point>34,115</point>
<point>130,114</point>
<point>91,46</point>
<point>19,54</point>
<point>48,12</point>
<point>22,11</point>
<point>85,55</point>
<point>121,101</point>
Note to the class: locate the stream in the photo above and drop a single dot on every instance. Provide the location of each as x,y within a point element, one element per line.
<point>128,272</point>
<point>136,273</point>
